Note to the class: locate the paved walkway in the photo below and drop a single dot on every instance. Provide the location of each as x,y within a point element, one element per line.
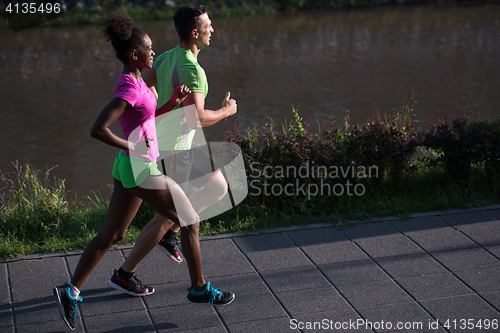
<point>431,273</point>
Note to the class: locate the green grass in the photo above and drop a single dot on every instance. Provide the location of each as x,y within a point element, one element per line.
<point>36,215</point>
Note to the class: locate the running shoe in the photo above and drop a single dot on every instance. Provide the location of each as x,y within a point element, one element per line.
<point>169,247</point>
<point>132,286</point>
<point>210,295</point>
<point>67,305</point>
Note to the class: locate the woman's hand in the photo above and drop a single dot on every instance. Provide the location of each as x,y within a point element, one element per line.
<point>100,130</point>
<point>180,94</point>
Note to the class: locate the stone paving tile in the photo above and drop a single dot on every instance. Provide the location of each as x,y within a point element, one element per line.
<point>412,265</point>
<point>434,286</point>
<point>495,213</point>
<point>221,257</point>
<point>6,319</point>
<point>49,327</point>
<point>168,294</point>
<point>250,308</point>
<point>493,298</point>
<point>123,322</point>
<point>431,330</point>
<point>265,326</point>
<point>219,329</point>
<point>101,274</point>
<point>388,318</point>
<point>353,272</point>
<point>381,240</point>
<point>419,224</point>
<point>433,235</point>
<point>495,250</point>
<point>10,329</point>
<point>482,227</point>
<point>483,279</point>
<point>157,268</point>
<point>295,278</point>
<point>185,317</point>
<point>36,310</point>
<point>374,293</point>
<point>36,278</point>
<point>483,233</point>
<point>241,284</point>
<point>467,259</point>
<point>468,218</point>
<point>438,330</point>
<point>4,284</point>
<point>299,302</point>
<point>271,251</point>
<point>108,301</point>
<point>387,246</point>
<point>326,245</point>
<point>459,308</point>
<point>369,230</point>
<point>345,321</point>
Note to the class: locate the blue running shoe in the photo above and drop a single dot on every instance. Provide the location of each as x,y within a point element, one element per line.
<point>209,295</point>
<point>67,305</point>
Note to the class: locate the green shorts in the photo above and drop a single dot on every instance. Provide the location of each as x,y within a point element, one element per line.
<point>129,176</point>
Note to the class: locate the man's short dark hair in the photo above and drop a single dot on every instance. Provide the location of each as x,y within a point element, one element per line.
<point>185,19</point>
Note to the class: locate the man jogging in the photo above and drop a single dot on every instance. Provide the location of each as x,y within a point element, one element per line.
<point>176,130</point>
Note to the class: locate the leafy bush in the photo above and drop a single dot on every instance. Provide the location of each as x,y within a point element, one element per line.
<point>461,144</point>
<point>392,144</point>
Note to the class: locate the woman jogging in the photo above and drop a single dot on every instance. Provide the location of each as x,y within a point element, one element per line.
<point>136,176</point>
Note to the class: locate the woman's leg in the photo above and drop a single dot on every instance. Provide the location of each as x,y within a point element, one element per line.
<point>122,208</point>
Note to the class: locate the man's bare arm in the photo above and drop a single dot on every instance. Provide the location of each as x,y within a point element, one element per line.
<point>208,117</point>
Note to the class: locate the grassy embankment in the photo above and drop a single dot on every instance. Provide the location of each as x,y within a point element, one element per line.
<point>455,164</point>
<point>217,8</point>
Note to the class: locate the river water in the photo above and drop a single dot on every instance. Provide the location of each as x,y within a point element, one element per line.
<point>55,81</point>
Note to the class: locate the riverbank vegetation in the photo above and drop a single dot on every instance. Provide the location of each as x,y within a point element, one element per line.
<point>343,172</point>
<point>92,12</point>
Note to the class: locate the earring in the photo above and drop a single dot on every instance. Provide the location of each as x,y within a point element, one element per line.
<point>135,58</point>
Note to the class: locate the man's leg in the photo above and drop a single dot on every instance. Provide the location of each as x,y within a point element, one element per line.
<point>151,234</point>
<point>182,167</point>
<point>213,192</point>
<point>167,210</point>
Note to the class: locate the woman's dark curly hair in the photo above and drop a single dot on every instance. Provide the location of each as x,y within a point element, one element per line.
<point>119,29</point>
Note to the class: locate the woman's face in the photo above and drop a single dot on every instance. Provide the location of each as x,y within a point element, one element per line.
<point>145,53</point>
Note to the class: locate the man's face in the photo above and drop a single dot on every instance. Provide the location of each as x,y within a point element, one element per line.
<point>203,31</point>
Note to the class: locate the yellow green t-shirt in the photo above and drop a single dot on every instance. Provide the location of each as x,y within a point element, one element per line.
<point>173,68</point>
